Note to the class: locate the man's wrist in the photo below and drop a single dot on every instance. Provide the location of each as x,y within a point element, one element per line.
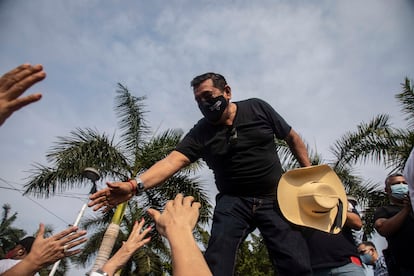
<point>139,188</point>
<point>99,272</point>
<point>33,263</point>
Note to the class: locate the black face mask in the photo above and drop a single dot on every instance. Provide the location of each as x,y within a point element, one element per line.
<point>213,108</point>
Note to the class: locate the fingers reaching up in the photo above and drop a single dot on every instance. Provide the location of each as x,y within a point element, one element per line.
<point>180,213</point>
<point>14,83</point>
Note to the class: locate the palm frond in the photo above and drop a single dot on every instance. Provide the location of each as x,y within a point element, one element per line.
<point>130,111</point>
<point>288,159</point>
<point>90,248</point>
<point>398,155</point>
<point>371,141</point>
<point>406,99</point>
<point>70,156</point>
<point>181,183</point>
<point>157,148</point>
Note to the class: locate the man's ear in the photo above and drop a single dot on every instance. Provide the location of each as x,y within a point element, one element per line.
<point>227,90</point>
<point>21,252</point>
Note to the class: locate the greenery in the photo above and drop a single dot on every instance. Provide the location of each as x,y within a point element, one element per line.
<point>377,142</point>
<point>9,235</point>
<point>253,258</point>
<point>136,151</point>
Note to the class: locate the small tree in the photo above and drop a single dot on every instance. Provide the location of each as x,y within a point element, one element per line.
<point>9,235</point>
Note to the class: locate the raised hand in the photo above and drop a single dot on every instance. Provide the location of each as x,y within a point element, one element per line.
<point>135,241</point>
<point>176,223</point>
<point>180,214</point>
<point>14,83</point>
<point>46,251</point>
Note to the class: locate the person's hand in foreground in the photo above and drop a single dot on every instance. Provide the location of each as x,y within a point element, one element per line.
<point>46,251</point>
<point>176,223</point>
<point>135,241</point>
<point>14,83</point>
<point>114,194</point>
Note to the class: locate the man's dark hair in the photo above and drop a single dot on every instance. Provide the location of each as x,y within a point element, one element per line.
<point>218,80</point>
<point>393,175</point>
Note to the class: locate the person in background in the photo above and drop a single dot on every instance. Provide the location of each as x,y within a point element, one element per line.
<point>13,84</point>
<point>395,222</point>
<point>16,254</point>
<point>237,141</point>
<point>352,207</point>
<point>369,256</point>
<point>46,251</point>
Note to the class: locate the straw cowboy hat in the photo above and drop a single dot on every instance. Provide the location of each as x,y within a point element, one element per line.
<point>313,197</point>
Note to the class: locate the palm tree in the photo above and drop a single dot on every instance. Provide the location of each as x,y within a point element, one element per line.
<point>134,153</point>
<point>380,143</point>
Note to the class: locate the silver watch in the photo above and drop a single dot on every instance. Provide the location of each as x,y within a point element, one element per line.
<point>140,186</point>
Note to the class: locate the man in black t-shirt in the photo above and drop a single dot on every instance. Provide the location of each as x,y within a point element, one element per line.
<point>395,222</point>
<point>237,141</point>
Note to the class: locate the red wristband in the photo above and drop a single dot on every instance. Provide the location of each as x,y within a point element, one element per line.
<point>133,188</point>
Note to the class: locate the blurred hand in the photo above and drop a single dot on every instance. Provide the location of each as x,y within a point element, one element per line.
<point>406,202</point>
<point>180,214</point>
<point>108,198</point>
<point>46,251</point>
<point>14,83</point>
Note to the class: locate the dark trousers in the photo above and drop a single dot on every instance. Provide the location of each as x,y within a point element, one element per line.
<point>235,217</point>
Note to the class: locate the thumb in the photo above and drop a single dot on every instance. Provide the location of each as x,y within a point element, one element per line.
<point>41,231</point>
<point>111,184</point>
<point>155,214</point>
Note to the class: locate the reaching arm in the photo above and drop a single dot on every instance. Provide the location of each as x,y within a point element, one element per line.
<point>46,251</point>
<point>353,221</point>
<point>387,227</point>
<point>176,223</point>
<point>119,192</point>
<point>298,148</point>
<point>164,169</point>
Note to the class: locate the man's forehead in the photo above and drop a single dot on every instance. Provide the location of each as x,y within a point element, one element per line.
<point>398,178</point>
<point>394,180</point>
<point>204,85</point>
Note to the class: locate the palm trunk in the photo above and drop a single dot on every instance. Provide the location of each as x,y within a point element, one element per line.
<point>109,238</point>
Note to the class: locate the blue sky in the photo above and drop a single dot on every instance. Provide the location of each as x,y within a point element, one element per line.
<point>324,65</point>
